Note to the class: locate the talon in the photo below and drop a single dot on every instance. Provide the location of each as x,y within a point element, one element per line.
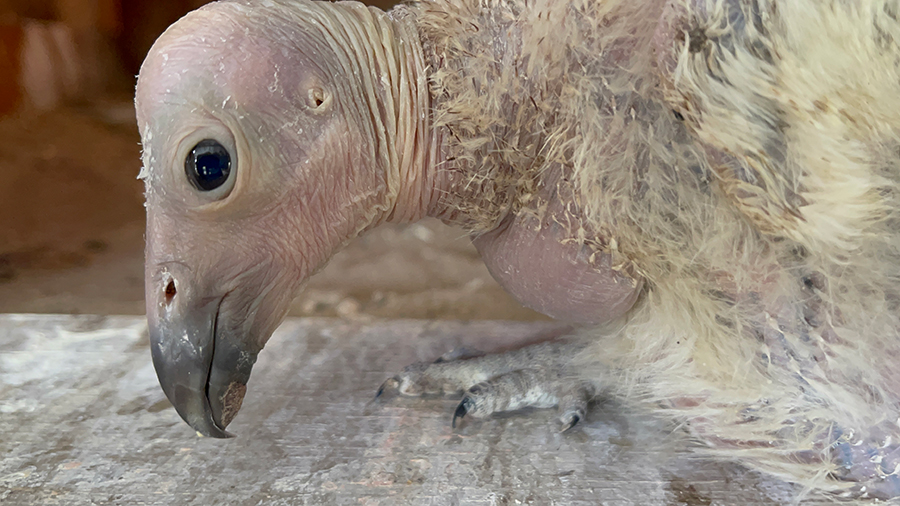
<point>572,423</point>
<point>388,383</point>
<point>461,411</point>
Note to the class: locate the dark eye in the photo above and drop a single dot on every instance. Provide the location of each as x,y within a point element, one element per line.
<point>208,165</point>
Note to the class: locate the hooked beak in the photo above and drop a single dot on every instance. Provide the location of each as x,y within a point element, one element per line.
<point>202,370</point>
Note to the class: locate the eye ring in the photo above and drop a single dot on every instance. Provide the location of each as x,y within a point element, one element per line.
<point>208,165</point>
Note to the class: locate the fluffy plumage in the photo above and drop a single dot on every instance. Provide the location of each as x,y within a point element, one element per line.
<point>741,157</point>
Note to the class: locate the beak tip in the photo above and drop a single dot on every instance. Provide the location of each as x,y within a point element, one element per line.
<point>202,370</point>
<point>220,434</point>
<point>187,396</point>
<point>196,411</point>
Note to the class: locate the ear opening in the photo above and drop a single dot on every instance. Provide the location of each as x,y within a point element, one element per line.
<point>319,98</point>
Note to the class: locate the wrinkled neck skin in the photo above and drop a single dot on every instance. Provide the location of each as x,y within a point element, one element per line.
<point>402,119</point>
<point>392,107</point>
<point>419,175</point>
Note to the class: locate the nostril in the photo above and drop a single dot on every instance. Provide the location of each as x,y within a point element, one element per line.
<point>170,291</point>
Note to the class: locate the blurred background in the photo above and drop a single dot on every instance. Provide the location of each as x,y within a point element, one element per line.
<point>71,214</point>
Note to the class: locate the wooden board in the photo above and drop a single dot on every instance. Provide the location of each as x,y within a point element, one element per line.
<point>83,421</point>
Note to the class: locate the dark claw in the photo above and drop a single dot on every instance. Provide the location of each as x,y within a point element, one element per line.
<point>388,383</point>
<point>574,422</point>
<point>461,411</point>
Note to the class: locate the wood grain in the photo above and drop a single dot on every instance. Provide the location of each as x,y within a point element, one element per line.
<point>83,421</point>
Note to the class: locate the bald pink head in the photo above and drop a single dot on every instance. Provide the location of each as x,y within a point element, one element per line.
<point>272,136</point>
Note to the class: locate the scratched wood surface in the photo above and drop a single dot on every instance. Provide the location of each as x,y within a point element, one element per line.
<point>83,421</point>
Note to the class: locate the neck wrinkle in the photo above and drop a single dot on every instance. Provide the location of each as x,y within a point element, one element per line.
<point>413,138</point>
<point>426,179</point>
<point>400,104</point>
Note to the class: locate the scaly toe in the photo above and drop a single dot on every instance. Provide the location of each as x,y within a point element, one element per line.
<point>568,421</point>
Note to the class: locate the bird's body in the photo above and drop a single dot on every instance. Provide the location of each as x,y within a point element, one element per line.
<point>710,186</point>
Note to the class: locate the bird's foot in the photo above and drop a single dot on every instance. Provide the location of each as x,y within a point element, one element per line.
<point>535,376</point>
